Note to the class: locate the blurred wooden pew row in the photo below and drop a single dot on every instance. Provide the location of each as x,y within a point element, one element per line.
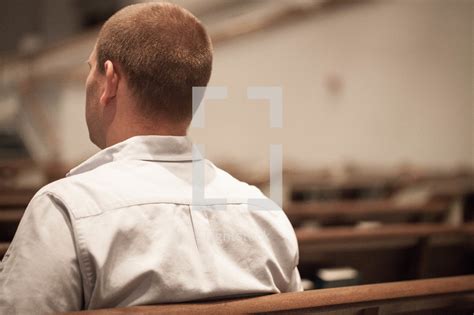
<point>16,198</point>
<point>389,252</point>
<point>9,220</point>
<point>350,212</point>
<point>452,295</point>
<point>385,253</point>
<point>383,232</point>
<point>3,248</point>
<point>399,252</point>
<point>362,198</point>
<point>13,202</point>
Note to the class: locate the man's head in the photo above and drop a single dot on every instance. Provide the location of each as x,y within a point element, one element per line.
<point>146,60</point>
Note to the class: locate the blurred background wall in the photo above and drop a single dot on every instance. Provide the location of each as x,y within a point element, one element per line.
<point>374,83</point>
<point>377,83</point>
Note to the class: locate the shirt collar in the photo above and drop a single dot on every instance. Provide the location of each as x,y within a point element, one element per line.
<point>147,148</point>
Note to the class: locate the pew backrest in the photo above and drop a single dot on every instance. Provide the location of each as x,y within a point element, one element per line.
<point>445,294</point>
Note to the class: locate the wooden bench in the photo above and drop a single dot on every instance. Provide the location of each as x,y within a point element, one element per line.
<point>348,212</point>
<point>339,192</point>
<point>3,248</point>
<point>451,295</point>
<point>382,232</point>
<point>9,220</point>
<point>16,198</point>
<point>389,252</point>
<point>13,202</point>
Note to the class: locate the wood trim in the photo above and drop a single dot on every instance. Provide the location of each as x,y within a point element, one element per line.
<point>16,197</point>
<point>15,200</point>
<point>3,248</point>
<point>11,215</point>
<point>310,236</point>
<point>315,299</point>
<point>360,209</point>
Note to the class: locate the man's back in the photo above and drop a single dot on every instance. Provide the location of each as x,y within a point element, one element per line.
<point>145,220</point>
<point>148,228</point>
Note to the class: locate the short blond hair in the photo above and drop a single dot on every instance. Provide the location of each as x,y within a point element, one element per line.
<point>163,50</point>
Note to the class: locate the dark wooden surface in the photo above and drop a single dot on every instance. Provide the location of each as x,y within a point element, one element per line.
<point>16,197</point>
<point>389,252</point>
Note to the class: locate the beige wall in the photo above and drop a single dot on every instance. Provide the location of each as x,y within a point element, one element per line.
<point>406,71</point>
<point>406,68</point>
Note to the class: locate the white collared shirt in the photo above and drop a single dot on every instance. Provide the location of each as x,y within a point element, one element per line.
<point>146,221</point>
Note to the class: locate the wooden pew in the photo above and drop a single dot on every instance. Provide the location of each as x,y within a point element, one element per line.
<point>349,212</point>
<point>389,252</point>
<point>16,198</point>
<point>325,184</point>
<point>9,220</point>
<point>453,295</point>
<point>380,254</point>
<point>3,248</point>
<point>392,231</point>
<point>13,202</point>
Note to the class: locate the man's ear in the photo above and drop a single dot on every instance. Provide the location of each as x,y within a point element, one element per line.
<point>111,83</point>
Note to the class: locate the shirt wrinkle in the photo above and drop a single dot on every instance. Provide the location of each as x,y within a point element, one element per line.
<point>190,211</point>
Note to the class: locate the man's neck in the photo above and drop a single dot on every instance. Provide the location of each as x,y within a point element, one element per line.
<point>119,134</point>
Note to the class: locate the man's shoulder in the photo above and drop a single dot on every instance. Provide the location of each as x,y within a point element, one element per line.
<point>65,191</point>
<point>53,188</point>
<point>117,185</point>
<point>112,185</point>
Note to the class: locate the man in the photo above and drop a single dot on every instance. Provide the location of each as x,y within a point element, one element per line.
<point>146,220</point>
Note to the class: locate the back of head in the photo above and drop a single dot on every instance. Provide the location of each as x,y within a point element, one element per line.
<point>164,51</point>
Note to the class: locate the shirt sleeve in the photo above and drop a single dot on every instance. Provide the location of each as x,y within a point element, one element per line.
<point>39,273</point>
